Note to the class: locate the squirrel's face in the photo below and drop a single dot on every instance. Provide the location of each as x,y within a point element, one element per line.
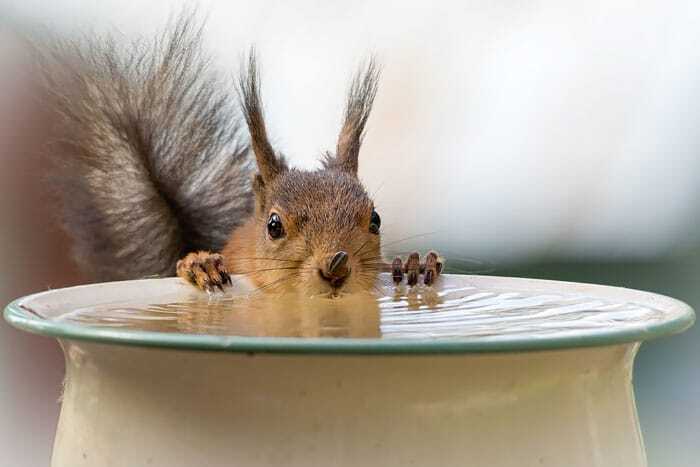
<point>314,231</point>
<point>319,233</point>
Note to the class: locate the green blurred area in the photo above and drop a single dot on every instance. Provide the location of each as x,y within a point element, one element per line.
<point>667,371</point>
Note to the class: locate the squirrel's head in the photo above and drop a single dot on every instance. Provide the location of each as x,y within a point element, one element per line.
<point>318,230</point>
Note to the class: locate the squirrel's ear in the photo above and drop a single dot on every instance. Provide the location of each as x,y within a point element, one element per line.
<point>357,110</point>
<point>269,164</point>
<point>259,190</point>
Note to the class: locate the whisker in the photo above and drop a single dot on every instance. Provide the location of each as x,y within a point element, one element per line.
<point>393,242</point>
<point>371,258</point>
<point>362,246</point>
<point>377,260</point>
<point>271,259</point>
<point>383,267</point>
<point>374,261</point>
<point>375,287</point>
<point>401,253</point>
<point>276,282</point>
<point>378,189</point>
<point>274,269</point>
<point>424,234</point>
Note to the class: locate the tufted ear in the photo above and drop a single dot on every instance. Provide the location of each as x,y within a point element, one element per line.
<point>269,164</point>
<point>357,109</point>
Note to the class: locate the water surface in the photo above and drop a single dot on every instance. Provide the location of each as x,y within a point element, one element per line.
<point>453,309</point>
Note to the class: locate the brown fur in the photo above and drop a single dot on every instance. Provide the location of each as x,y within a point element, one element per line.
<point>154,168</point>
<point>322,212</point>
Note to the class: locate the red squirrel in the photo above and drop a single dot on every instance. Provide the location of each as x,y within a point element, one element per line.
<point>156,174</point>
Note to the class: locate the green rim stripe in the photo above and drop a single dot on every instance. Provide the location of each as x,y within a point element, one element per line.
<point>22,319</point>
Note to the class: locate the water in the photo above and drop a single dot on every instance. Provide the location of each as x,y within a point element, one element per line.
<point>453,309</point>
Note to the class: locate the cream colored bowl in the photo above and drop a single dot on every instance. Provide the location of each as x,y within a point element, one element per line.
<point>517,398</point>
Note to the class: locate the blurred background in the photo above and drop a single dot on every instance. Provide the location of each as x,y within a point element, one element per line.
<point>549,138</point>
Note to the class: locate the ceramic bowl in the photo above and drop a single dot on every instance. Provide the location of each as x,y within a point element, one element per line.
<point>553,389</point>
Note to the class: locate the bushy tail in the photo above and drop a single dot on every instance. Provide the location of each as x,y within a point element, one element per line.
<point>150,165</point>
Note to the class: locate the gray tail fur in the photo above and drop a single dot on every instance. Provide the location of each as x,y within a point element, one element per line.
<point>150,165</point>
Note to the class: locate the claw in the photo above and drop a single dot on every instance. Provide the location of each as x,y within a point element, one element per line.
<point>226,278</point>
<point>429,277</point>
<point>412,269</point>
<point>204,270</point>
<point>397,270</point>
<point>431,268</point>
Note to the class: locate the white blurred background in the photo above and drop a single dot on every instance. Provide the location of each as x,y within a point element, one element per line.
<point>546,138</point>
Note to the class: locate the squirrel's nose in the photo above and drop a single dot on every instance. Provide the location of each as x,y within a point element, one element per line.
<point>337,269</point>
<point>337,264</point>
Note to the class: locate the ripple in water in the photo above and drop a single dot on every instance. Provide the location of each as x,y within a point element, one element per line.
<point>445,312</point>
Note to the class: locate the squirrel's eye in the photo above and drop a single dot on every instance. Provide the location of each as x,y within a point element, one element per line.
<point>274,226</point>
<point>374,222</point>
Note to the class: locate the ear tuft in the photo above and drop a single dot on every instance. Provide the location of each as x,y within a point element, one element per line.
<point>269,164</point>
<point>361,95</point>
<point>259,189</point>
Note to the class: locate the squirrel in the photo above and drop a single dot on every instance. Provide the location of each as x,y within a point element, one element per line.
<point>156,176</point>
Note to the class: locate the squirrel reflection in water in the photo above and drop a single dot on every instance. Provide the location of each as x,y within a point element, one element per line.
<point>356,315</point>
<point>279,315</point>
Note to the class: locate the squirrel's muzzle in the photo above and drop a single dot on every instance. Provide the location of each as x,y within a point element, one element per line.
<point>337,269</point>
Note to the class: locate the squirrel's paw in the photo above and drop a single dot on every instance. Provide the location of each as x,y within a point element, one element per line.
<point>412,268</point>
<point>204,270</point>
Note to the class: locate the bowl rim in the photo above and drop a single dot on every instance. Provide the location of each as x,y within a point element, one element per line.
<point>680,317</point>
